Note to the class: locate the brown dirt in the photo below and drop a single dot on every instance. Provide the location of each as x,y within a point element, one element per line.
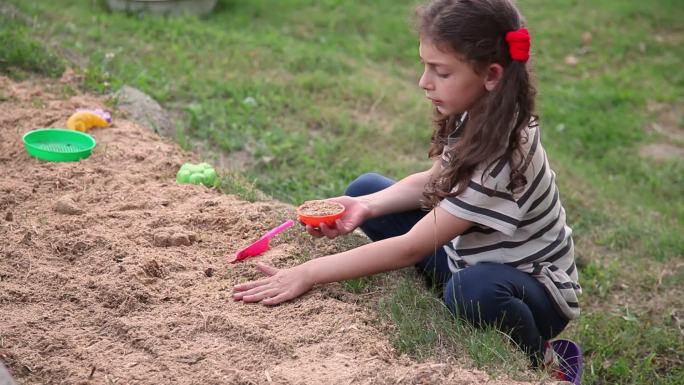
<point>319,208</point>
<point>667,123</point>
<point>661,151</point>
<point>113,273</point>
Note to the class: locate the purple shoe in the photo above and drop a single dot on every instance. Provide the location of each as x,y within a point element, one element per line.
<point>570,360</point>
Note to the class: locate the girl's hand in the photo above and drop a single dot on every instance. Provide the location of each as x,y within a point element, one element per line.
<point>356,212</point>
<point>280,286</point>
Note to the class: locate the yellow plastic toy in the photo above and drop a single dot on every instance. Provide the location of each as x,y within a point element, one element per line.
<point>84,120</point>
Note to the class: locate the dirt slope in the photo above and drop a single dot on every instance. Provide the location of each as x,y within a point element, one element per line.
<point>110,273</point>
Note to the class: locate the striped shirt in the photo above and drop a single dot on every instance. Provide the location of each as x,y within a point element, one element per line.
<point>526,230</point>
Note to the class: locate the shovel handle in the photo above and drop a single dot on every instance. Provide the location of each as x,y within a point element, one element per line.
<point>286,225</point>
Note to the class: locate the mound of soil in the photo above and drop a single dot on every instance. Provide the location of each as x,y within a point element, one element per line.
<point>110,272</point>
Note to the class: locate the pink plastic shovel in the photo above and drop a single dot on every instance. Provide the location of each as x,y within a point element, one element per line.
<point>261,245</point>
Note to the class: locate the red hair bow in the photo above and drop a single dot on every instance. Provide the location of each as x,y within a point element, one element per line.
<point>519,44</point>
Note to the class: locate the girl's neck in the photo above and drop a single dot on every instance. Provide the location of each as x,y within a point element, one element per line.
<point>458,123</point>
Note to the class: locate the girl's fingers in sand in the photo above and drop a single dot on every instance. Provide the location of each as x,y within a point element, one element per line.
<point>260,296</point>
<point>247,288</point>
<point>266,269</point>
<point>254,290</point>
<point>250,285</point>
<point>285,284</point>
<point>282,297</point>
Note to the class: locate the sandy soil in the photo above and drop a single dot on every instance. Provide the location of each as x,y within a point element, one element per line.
<point>111,273</point>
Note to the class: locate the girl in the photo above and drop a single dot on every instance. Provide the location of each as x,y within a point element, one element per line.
<point>507,256</point>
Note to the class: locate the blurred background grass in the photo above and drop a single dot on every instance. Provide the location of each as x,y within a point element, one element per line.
<point>307,95</point>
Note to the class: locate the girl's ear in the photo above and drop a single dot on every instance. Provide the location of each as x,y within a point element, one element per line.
<point>493,76</point>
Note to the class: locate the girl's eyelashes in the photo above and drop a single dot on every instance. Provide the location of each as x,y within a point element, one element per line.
<point>431,66</point>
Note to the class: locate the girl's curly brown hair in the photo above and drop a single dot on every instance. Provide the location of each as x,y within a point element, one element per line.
<point>476,30</point>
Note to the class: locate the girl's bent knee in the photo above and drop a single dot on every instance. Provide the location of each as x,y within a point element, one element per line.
<point>469,299</point>
<point>453,296</point>
<point>365,184</point>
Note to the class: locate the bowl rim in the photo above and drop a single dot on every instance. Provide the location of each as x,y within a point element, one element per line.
<point>299,211</point>
<point>89,137</point>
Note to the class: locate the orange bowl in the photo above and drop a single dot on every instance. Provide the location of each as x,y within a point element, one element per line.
<point>316,220</point>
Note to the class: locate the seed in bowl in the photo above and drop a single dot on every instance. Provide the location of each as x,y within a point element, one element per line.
<point>319,208</point>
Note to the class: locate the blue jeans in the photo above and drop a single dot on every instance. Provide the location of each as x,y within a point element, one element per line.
<point>483,294</point>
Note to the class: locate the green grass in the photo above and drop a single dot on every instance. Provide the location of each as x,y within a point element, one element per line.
<point>315,93</point>
<point>423,327</point>
<point>22,54</point>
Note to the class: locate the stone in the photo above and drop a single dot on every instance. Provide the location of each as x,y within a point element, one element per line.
<point>144,110</point>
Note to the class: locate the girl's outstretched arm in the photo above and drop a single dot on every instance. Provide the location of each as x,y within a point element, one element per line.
<point>431,232</point>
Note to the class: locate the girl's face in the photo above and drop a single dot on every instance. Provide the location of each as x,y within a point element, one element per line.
<point>449,82</point>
